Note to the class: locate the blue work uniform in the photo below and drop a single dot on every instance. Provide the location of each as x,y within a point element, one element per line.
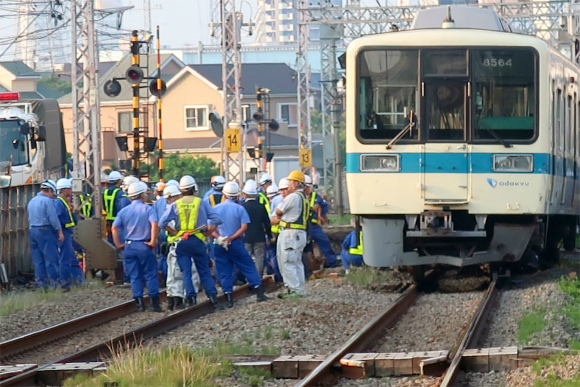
<point>351,253</point>
<point>211,191</point>
<point>69,268</point>
<point>317,233</point>
<point>140,263</point>
<point>193,247</point>
<point>233,216</point>
<point>43,238</point>
<point>159,206</point>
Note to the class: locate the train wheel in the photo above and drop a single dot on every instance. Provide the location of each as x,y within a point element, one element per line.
<point>418,272</point>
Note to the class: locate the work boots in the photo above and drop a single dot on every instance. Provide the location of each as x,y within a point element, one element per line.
<point>178,302</point>
<point>214,301</point>
<point>229,300</point>
<point>190,301</point>
<point>155,305</point>
<point>170,303</point>
<point>140,304</point>
<point>260,296</point>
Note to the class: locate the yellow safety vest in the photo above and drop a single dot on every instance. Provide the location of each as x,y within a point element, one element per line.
<point>187,210</point>
<point>71,222</point>
<point>86,205</point>
<point>312,202</point>
<point>302,222</point>
<point>359,249</point>
<point>212,199</point>
<point>263,200</point>
<point>109,202</point>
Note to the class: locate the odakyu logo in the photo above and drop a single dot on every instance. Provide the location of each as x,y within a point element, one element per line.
<point>507,183</point>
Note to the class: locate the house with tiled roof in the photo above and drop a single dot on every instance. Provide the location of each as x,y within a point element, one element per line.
<point>15,76</point>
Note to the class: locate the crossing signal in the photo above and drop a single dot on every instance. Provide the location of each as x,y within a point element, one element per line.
<point>134,74</point>
<point>258,116</point>
<point>112,88</point>
<point>273,125</point>
<point>157,90</point>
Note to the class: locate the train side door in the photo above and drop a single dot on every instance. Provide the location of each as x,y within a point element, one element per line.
<point>446,164</point>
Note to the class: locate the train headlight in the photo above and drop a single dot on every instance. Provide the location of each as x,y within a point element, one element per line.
<point>513,163</point>
<point>386,163</point>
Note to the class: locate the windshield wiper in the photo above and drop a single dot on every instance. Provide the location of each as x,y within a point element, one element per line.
<point>403,131</point>
<point>498,138</point>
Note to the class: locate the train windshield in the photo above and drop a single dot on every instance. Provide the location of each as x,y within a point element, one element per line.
<point>452,94</point>
<point>13,144</point>
<point>504,94</point>
<point>388,93</point>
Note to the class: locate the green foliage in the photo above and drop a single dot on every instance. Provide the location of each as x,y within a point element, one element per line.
<point>285,334</point>
<point>571,287</point>
<point>245,347</point>
<point>531,323</point>
<point>62,85</point>
<point>268,332</point>
<point>176,165</point>
<point>368,277</point>
<point>254,376</point>
<point>335,220</point>
<point>136,367</point>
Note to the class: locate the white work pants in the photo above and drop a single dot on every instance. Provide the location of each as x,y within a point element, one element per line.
<point>174,281</point>
<point>289,249</point>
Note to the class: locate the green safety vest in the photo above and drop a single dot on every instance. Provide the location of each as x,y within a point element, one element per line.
<point>187,210</point>
<point>302,222</point>
<point>263,200</point>
<point>312,202</point>
<point>86,205</point>
<point>212,197</point>
<point>71,222</point>
<point>109,202</point>
<point>359,249</point>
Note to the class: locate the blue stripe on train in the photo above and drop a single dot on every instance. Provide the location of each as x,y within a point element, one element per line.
<point>456,163</point>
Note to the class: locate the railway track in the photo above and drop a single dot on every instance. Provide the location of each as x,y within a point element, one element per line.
<point>49,336</point>
<point>325,373</point>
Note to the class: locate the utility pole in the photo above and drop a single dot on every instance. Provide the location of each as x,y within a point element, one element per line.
<point>234,136</point>
<point>303,77</point>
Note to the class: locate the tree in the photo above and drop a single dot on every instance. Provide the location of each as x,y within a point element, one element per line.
<point>57,83</point>
<point>176,165</point>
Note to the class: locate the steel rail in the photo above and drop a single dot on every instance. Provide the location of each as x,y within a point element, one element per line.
<point>471,335</point>
<point>130,339</point>
<point>363,338</point>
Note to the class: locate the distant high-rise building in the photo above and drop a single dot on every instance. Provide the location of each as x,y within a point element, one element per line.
<point>277,21</point>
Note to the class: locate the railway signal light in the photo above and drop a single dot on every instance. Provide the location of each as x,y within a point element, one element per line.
<point>273,125</point>
<point>112,88</point>
<point>157,87</point>
<point>134,74</point>
<point>258,116</point>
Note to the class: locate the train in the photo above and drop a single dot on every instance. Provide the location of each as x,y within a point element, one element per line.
<point>462,143</point>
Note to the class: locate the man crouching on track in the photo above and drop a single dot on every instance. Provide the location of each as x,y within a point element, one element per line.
<point>194,219</point>
<point>292,216</point>
<point>230,249</point>
<point>138,223</point>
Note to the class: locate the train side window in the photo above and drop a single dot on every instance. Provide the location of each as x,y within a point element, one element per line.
<point>504,97</point>
<point>387,93</point>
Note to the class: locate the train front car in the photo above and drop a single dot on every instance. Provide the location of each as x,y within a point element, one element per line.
<point>451,156</point>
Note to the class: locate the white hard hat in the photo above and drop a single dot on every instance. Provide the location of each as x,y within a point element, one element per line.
<point>127,181</point>
<point>114,176</point>
<point>63,183</point>
<point>172,182</point>
<point>283,184</point>
<point>251,187</point>
<point>307,180</point>
<point>265,178</point>
<point>136,189</point>
<point>170,191</point>
<point>231,189</point>
<point>50,184</point>
<point>218,182</point>
<point>272,190</point>
<point>186,183</point>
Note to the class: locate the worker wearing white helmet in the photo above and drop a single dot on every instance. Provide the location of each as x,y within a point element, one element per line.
<point>265,182</point>
<point>318,211</point>
<point>194,219</point>
<point>138,225</point>
<point>215,195</point>
<point>69,268</point>
<point>44,234</point>
<point>173,182</point>
<point>259,228</point>
<point>217,184</point>
<point>229,249</point>
<point>114,199</point>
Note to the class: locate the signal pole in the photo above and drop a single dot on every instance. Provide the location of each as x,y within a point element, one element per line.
<point>135,62</point>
